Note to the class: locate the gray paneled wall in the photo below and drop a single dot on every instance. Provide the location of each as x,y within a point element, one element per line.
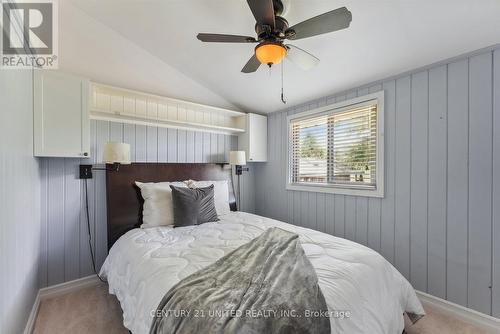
<point>439,222</point>
<point>64,247</point>
<point>19,201</point>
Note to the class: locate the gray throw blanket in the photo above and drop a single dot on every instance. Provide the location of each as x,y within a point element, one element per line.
<point>265,286</point>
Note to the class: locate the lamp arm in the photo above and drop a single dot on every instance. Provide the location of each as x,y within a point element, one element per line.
<point>115,167</point>
<point>86,170</point>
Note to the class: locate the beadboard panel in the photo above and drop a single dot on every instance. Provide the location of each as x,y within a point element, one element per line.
<point>65,253</point>
<point>439,221</point>
<point>20,184</point>
<point>496,187</point>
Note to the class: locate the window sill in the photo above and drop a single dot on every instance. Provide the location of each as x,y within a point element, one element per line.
<point>350,191</point>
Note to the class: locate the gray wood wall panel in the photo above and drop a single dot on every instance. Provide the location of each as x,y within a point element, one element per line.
<point>350,217</point>
<point>439,221</point>
<point>339,215</point>
<point>418,179</point>
<point>403,175</point>
<point>387,221</point>
<point>140,144</point>
<point>458,184</point>
<point>496,188</point>
<point>320,212</point>
<point>480,181</point>
<point>72,220</point>
<point>152,144</point>
<point>64,248</point>
<point>55,222</point>
<point>436,224</point>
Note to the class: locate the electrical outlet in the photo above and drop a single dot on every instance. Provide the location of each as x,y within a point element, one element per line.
<point>85,171</point>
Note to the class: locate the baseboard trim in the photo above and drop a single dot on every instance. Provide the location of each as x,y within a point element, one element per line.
<point>30,324</point>
<point>54,291</point>
<point>60,289</point>
<point>478,319</point>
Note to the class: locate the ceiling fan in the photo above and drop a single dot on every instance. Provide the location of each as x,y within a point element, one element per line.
<point>272,30</point>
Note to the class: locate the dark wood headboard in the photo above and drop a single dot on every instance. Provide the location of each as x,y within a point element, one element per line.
<point>124,200</point>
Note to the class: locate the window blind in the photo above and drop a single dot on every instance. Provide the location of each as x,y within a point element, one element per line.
<point>337,148</point>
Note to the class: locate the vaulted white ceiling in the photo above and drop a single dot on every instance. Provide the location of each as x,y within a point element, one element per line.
<point>89,48</point>
<point>385,38</point>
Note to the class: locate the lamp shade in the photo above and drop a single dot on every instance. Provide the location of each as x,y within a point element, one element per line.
<point>270,53</point>
<point>116,153</point>
<point>237,158</point>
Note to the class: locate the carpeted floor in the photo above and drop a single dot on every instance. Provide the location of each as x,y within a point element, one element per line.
<point>93,310</point>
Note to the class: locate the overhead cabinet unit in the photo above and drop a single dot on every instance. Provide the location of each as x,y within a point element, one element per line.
<point>64,105</point>
<point>254,140</point>
<point>61,115</point>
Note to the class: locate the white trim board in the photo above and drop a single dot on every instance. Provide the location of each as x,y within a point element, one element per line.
<point>54,291</point>
<point>478,319</point>
<point>60,289</point>
<point>30,324</point>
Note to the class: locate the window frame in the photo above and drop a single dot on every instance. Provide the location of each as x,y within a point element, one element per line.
<point>345,189</point>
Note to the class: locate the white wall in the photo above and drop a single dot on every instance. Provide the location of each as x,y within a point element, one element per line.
<point>19,201</point>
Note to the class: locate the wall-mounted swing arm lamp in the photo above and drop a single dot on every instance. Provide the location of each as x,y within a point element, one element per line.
<point>114,155</point>
<point>238,160</point>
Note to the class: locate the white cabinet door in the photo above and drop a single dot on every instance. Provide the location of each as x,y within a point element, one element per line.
<point>61,115</point>
<point>254,140</point>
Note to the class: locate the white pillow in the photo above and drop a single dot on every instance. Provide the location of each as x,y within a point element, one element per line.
<point>158,208</point>
<point>221,194</point>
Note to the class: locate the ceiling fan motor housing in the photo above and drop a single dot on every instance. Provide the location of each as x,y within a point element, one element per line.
<point>265,32</point>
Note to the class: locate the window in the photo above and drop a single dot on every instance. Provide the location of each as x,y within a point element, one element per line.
<point>338,148</point>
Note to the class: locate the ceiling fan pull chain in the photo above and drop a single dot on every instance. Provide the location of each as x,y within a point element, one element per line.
<point>282,94</point>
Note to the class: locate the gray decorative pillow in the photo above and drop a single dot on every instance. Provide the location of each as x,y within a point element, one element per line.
<point>193,206</point>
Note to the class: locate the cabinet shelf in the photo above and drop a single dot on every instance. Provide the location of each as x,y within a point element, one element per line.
<point>184,125</point>
<point>127,106</point>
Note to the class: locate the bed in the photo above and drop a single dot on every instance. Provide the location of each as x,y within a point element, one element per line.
<point>363,291</point>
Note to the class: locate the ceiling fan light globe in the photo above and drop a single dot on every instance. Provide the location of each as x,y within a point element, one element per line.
<point>270,53</point>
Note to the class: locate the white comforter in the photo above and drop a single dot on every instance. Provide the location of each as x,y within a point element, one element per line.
<point>145,263</point>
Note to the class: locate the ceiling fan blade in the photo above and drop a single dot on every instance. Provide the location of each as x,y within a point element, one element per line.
<point>263,11</point>
<point>221,38</point>
<point>301,58</point>
<point>334,20</point>
<point>252,65</point>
